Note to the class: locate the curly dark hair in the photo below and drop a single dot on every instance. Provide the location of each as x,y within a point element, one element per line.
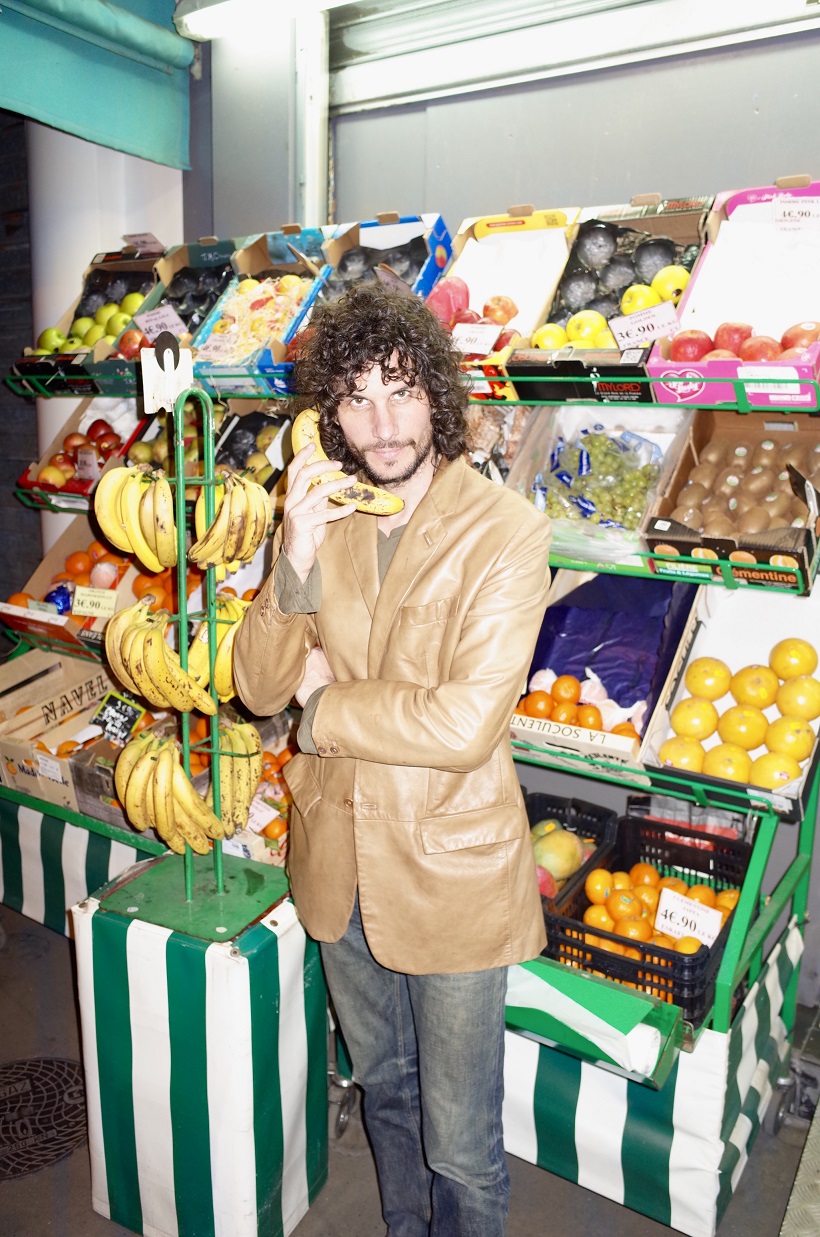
<point>367,326</point>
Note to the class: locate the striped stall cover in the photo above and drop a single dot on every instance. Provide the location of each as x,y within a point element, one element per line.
<point>675,1154</point>
<point>46,864</point>
<point>206,1075</point>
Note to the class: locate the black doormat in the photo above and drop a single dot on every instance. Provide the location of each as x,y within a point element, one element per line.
<point>42,1114</point>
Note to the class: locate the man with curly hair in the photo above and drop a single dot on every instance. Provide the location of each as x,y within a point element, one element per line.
<point>407,639</point>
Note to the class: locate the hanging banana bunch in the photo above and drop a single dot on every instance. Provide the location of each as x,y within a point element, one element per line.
<point>135,510</point>
<point>143,661</point>
<point>243,514</point>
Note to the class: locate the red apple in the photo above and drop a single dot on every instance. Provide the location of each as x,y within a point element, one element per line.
<point>759,348</point>
<point>730,335</point>
<point>63,461</point>
<point>719,354</point>
<point>97,428</point>
<point>107,444</point>
<point>130,344</point>
<point>500,309</point>
<point>801,335</point>
<point>73,442</point>
<point>52,475</point>
<point>690,346</point>
<point>791,353</point>
<point>506,338</point>
<point>464,315</point>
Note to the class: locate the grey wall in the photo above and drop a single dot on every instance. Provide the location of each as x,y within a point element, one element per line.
<point>685,125</point>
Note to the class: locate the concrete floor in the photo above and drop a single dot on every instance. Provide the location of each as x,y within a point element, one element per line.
<point>38,1017</point>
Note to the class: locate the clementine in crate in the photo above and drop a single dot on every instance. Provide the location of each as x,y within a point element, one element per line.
<point>622,904</point>
<point>626,730</point>
<point>19,599</point>
<point>687,945</point>
<point>275,828</point>
<point>704,894</point>
<point>566,688</point>
<point>650,896</point>
<point>589,716</point>
<point>565,712</point>
<point>727,898</point>
<point>598,916</point>
<point>538,704</point>
<point>644,874</point>
<point>79,563</point>
<point>284,756</point>
<point>270,766</point>
<point>621,880</point>
<point>634,929</point>
<point>96,550</point>
<point>598,886</point>
<point>674,883</point>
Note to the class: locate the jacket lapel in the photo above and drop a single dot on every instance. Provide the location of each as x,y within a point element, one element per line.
<point>361,532</point>
<point>420,540</point>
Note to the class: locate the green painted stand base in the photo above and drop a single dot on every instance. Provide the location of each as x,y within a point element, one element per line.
<point>47,863</point>
<point>675,1154</point>
<point>205,1057</point>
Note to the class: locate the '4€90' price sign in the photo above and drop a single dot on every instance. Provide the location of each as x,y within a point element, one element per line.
<point>679,916</point>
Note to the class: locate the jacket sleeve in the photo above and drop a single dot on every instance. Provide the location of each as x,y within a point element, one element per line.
<point>270,649</point>
<point>457,725</point>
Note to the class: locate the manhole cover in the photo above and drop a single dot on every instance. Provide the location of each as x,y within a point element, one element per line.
<point>42,1114</point>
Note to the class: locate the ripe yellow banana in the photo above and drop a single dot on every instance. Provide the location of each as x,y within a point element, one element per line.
<point>107,506</point>
<point>241,788</point>
<point>368,498</point>
<point>165,530</point>
<point>237,521</point>
<point>210,548</point>
<point>163,668</point>
<point>164,804</point>
<point>226,782</point>
<point>127,759</point>
<point>137,790</point>
<point>193,807</point>
<point>115,629</point>
<point>133,654</point>
<point>130,496</point>
<point>252,741</point>
<point>223,683</point>
<point>199,663</point>
<point>258,519</point>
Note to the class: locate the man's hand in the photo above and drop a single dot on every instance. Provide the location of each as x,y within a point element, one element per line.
<point>307,512</point>
<point>317,674</point>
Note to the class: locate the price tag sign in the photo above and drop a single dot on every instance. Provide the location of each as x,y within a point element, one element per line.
<point>635,330</point>
<point>679,916</point>
<point>117,715</point>
<point>794,214</point>
<point>164,318</point>
<point>47,607</point>
<point>476,337</point>
<point>94,602</point>
<point>49,766</point>
<point>144,242</point>
<point>89,464</point>
<point>217,348</point>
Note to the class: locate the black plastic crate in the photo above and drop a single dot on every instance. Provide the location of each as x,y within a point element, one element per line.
<point>686,980</point>
<point>588,820</point>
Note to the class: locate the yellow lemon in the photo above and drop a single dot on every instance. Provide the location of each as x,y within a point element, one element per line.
<point>755,685</point>
<point>799,697</point>
<point>792,736</point>
<point>694,718</point>
<point>708,677</point>
<point>791,657</point>
<point>774,770</point>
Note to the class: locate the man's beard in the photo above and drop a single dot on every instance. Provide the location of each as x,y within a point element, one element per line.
<point>422,451</point>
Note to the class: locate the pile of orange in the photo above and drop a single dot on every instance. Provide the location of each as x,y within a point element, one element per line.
<point>272,765</point>
<point>562,703</point>
<point>747,725</point>
<point>77,569</point>
<point>625,904</point>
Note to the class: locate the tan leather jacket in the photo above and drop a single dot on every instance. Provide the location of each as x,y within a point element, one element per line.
<point>413,797</point>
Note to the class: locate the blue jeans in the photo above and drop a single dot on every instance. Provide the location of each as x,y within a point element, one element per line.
<point>428,1053</point>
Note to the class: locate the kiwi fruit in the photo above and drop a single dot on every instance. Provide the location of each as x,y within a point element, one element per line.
<point>719,526</point>
<point>778,521</point>
<point>765,454</point>
<point>753,521</point>
<point>714,453</point>
<point>715,503</point>
<point>690,516</point>
<point>777,503</point>
<point>794,455</point>
<point>704,474</point>
<point>758,480</point>
<point>692,495</point>
<point>727,481</point>
<point>739,456</point>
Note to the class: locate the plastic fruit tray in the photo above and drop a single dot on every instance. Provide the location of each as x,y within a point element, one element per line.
<point>588,820</point>
<point>685,980</point>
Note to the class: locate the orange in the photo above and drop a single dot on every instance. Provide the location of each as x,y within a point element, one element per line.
<point>538,704</point>
<point>565,712</point>
<point>599,917</point>
<point>682,753</point>
<point>708,678</point>
<point>276,828</point>
<point>687,945</point>
<point>226,589</point>
<point>83,579</point>
<point>622,904</point>
<point>727,899</point>
<point>61,575</point>
<point>589,716</point>
<point>78,563</point>
<point>774,770</point>
<point>674,883</point>
<point>644,874</point>
<point>665,942</point>
<point>694,718</point>
<point>567,688</point>
<point>649,896</point>
<point>598,886</point>
<point>141,583</point>
<point>792,657</point>
<point>791,736</point>
<point>270,767</point>
<point>611,947</point>
<point>161,600</point>
<point>96,550</point>
<point>755,685</point>
<point>201,727</point>
<point>799,697</point>
<point>621,880</point>
<point>250,593</point>
<point>635,929</point>
<point>626,730</point>
<point>743,724</point>
<point>284,756</point>
<point>704,894</point>
<point>19,599</point>
<point>66,747</point>
<point>146,720</point>
<point>728,761</point>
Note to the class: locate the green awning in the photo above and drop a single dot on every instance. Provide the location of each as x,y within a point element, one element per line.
<point>115,74</point>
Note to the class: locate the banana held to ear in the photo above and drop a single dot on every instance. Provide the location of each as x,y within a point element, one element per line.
<point>367,498</point>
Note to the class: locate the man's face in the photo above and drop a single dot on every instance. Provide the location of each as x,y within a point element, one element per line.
<point>387,427</point>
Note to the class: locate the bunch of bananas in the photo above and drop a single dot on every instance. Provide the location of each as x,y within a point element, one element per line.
<point>243,514</point>
<point>240,771</point>
<point>155,790</point>
<point>135,510</point>
<point>144,662</point>
<point>229,612</point>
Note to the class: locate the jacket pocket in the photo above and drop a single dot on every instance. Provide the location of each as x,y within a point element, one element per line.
<point>418,640</point>
<point>302,783</point>
<point>423,616</point>
<point>461,831</point>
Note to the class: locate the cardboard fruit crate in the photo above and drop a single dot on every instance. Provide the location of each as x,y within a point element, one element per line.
<point>416,248</point>
<point>686,980</point>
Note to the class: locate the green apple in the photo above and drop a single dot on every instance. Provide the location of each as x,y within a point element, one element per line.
<point>550,335</point>
<point>585,324</point>
<point>72,343</point>
<point>80,326</point>
<point>38,351</point>
<point>52,338</point>
<point>131,302</point>
<point>105,311</point>
<point>117,323</point>
<point>93,334</point>
<point>638,296</point>
<point>109,339</point>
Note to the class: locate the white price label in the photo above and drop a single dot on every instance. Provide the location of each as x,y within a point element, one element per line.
<point>476,338</point>
<point>47,607</point>
<point>94,602</point>
<point>89,464</point>
<point>144,242</point>
<point>634,330</point>
<point>679,916</point>
<point>793,213</point>
<point>164,318</point>
<point>49,766</point>
<point>217,348</point>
